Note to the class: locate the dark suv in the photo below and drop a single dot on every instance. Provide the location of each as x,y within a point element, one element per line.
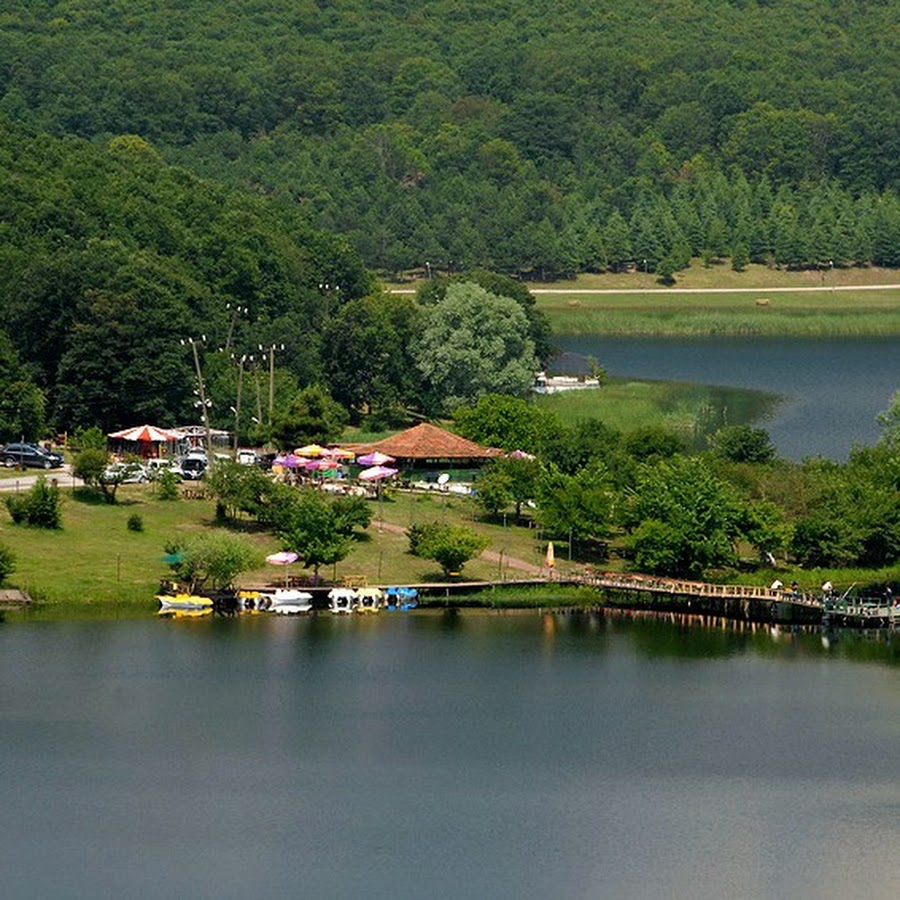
<point>29,455</point>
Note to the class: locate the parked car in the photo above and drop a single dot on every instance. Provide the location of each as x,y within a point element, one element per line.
<point>125,473</point>
<point>155,467</point>
<point>192,468</point>
<point>24,454</point>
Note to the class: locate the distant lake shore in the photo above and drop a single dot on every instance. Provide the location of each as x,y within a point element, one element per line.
<point>833,388</point>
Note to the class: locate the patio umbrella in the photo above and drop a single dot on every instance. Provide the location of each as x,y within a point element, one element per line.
<point>551,556</point>
<point>338,453</point>
<point>311,450</point>
<point>144,434</point>
<point>317,465</point>
<point>376,458</point>
<point>283,558</point>
<point>376,473</point>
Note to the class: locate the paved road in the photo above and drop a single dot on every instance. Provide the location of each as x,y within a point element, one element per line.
<point>22,481</point>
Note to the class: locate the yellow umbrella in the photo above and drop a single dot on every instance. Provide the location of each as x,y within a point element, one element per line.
<point>310,450</point>
<point>551,557</point>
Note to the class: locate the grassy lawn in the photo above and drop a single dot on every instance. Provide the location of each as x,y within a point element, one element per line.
<point>95,562</point>
<point>814,314</point>
<point>722,276</point>
<point>94,558</point>
<point>818,311</point>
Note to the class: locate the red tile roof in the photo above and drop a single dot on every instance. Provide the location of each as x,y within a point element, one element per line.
<point>426,441</point>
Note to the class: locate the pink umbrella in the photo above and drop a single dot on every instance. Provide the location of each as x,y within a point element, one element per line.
<point>315,465</point>
<point>376,473</point>
<point>283,558</point>
<point>376,458</point>
<point>338,453</point>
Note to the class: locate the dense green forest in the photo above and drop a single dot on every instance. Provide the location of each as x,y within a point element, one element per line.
<point>530,138</point>
<point>110,259</point>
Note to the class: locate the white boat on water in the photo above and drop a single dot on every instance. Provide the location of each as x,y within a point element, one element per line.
<point>342,600</point>
<point>286,601</point>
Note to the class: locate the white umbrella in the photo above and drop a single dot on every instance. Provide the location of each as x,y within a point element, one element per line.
<point>376,473</point>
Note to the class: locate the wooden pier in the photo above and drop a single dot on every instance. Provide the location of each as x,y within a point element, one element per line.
<point>733,601</point>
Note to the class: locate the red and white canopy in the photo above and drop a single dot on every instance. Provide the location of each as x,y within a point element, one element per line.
<point>145,434</point>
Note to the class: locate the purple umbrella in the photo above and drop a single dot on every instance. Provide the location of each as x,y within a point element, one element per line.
<point>376,458</point>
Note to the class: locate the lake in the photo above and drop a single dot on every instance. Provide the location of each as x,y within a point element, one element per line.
<point>447,755</point>
<point>832,388</point>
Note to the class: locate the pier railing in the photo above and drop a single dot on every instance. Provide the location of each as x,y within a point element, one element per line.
<point>699,589</point>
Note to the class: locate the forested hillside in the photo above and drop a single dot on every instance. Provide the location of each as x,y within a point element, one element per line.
<point>521,136</point>
<point>110,258</point>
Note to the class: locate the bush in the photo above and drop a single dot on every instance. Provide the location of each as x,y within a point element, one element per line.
<point>451,546</point>
<point>167,485</point>
<point>39,508</point>
<point>7,562</point>
<point>135,522</point>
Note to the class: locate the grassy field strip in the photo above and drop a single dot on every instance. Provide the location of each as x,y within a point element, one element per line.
<point>719,290</point>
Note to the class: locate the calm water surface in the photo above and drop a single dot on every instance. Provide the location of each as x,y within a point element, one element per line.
<point>832,389</point>
<point>437,756</point>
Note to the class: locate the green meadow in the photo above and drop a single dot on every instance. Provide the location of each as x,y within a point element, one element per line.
<point>820,314</point>
<point>691,410</point>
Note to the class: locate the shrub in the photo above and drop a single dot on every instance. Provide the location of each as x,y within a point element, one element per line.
<point>135,522</point>
<point>39,508</point>
<point>7,562</point>
<point>167,485</point>
<point>451,546</point>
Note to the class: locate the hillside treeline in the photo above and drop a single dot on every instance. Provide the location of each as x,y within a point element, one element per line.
<point>110,259</point>
<point>115,267</point>
<point>532,138</point>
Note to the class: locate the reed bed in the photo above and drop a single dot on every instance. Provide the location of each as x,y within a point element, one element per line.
<point>689,409</point>
<point>813,315</point>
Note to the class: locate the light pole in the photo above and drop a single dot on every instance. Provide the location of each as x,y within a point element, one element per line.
<point>201,393</point>
<point>237,406</point>
<point>235,312</point>
<point>271,351</point>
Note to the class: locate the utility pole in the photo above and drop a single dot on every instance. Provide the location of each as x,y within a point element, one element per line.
<point>271,351</point>
<point>204,405</point>
<point>237,405</point>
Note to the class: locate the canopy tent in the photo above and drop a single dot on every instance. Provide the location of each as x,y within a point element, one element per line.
<point>144,434</point>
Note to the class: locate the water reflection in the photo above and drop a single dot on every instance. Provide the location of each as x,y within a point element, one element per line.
<point>451,755</point>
